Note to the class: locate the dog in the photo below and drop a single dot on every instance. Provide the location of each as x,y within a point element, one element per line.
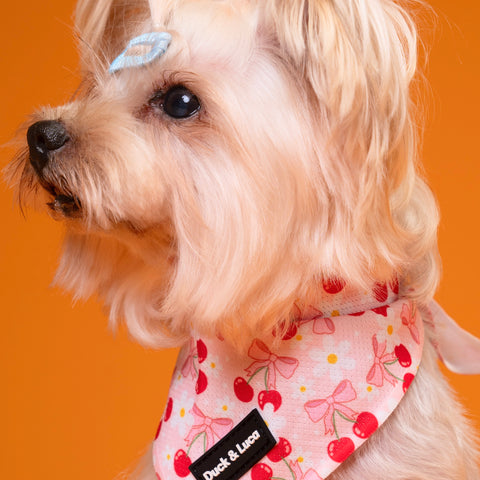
<point>241,177</point>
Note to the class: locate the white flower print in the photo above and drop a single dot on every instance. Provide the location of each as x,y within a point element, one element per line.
<point>333,359</point>
<point>367,391</point>
<point>300,389</point>
<point>388,331</point>
<point>222,404</point>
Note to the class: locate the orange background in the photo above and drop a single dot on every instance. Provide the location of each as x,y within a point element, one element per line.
<point>78,403</point>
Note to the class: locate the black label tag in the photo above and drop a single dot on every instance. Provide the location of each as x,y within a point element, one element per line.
<point>237,452</point>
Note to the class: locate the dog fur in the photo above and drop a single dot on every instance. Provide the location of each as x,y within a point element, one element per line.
<point>301,165</point>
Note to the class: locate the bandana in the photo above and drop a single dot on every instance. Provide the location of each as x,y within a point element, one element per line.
<point>334,379</point>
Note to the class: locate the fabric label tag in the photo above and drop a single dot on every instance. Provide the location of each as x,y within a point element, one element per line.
<point>236,452</point>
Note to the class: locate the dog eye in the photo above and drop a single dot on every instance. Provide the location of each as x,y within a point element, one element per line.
<point>177,102</point>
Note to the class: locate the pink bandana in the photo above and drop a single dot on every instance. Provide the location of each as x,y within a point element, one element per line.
<point>335,378</point>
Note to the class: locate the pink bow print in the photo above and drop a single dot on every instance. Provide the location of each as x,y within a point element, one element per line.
<point>378,372</point>
<point>263,357</point>
<point>212,427</point>
<point>409,316</point>
<point>325,408</point>
<point>310,474</point>
<point>321,325</point>
<point>188,368</point>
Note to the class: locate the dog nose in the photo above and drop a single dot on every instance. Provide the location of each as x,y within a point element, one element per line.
<point>43,138</point>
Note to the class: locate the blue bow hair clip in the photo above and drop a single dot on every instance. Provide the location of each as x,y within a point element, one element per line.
<point>159,42</point>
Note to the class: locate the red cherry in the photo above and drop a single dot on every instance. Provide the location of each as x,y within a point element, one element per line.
<point>394,285</point>
<point>181,462</point>
<point>333,285</point>
<point>403,355</point>
<point>407,381</point>
<point>380,291</point>
<point>168,410</point>
<point>243,390</point>
<point>381,310</point>
<point>158,476</point>
<point>202,383</point>
<point>270,396</point>
<point>157,433</point>
<point>357,314</point>
<point>201,351</point>
<point>281,450</point>
<point>290,333</point>
<point>365,425</point>
<point>339,450</point>
<point>261,471</point>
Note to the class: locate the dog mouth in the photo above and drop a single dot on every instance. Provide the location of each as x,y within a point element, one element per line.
<point>63,202</point>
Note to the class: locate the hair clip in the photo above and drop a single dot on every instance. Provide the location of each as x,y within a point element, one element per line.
<point>159,42</point>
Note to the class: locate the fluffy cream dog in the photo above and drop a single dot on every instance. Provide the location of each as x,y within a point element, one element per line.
<point>271,149</point>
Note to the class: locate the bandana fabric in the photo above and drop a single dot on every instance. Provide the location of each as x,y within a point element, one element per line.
<point>332,381</point>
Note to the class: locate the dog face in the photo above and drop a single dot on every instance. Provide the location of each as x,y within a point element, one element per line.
<point>270,148</point>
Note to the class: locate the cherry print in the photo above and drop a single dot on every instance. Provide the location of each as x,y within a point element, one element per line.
<point>157,433</point>
<point>333,285</point>
<point>365,425</point>
<point>380,291</point>
<point>270,396</point>
<point>168,410</point>
<point>181,462</point>
<point>339,450</point>
<point>357,314</point>
<point>381,310</point>
<point>403,355</point>
<point>202,382</point>
<point>261,471</point>
<point>243,390</point>
<point>201,351</point>
<point>394,285</point>
<point>158,476</point>
<point>281,450</point>
<point>290,333</point>
<point>407,381</point>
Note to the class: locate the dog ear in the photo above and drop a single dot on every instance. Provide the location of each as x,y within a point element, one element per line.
<point>357,60</point>
<point>104,27</point>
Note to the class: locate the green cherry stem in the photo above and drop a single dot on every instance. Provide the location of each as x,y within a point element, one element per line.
<point>290,468</point>
<point>335,424</point>
<point>258,371</point>
<point>391,363</point>
<point>345,418</point>
<point>265,380</point>
<point>195,438</point>
<point>394,376</point>
<point>193,363</point>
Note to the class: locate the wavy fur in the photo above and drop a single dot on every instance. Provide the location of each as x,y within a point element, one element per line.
<point>300,167</point>
<point>342,167</point>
